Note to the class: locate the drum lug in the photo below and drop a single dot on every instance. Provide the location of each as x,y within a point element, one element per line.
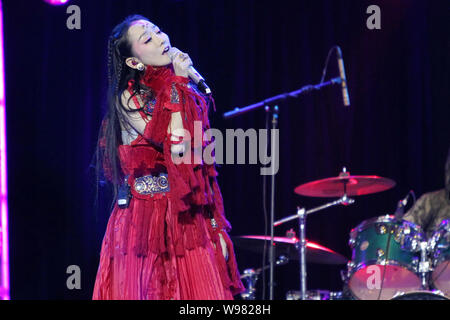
<point>406,229</point>
<point>381,228</point>
<point>352,240</point>
<point>345,276</point>
<point>415,263</point>
<point>380,253</point>
<point>351,243</point>
<point>350,267</point>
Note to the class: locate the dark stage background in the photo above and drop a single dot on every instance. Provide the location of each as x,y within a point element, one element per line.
<point>397,125</point>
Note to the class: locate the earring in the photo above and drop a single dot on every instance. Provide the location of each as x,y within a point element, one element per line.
<point>140,67</point>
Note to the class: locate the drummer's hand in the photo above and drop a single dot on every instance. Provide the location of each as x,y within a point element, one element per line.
<point>181,63</point>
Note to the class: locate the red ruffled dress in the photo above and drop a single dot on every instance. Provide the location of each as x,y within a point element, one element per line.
<point>167,245</point>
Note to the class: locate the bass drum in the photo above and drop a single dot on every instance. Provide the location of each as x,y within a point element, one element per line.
<point>385,258</point>
<point>420,295</point>
<point>439,244</point>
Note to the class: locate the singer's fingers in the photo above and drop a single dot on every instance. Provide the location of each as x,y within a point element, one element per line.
<point>181,62</point>
<point>187,61</point>
<point>183,57</point>
<point>179,54</point>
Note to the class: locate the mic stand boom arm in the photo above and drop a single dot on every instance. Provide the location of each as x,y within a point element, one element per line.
<point>284,96</point>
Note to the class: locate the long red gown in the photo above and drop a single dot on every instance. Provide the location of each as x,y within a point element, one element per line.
<point>165,245</point>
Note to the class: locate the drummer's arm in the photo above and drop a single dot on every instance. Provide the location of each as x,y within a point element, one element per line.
<point>418,213</point>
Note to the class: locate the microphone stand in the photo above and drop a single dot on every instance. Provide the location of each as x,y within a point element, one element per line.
<point>266,103</point>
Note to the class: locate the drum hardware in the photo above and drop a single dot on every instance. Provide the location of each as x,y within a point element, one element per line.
<point>337,295</point>
<point>251,277</point>
<point>424,264</point>
<point>287,249</point>
<point>315,295</point>
<point>410,267</point>
<point>301,244</point>
<point>386,258</point>
<point>420,295</point>
<point>343,186</point>
<point>400,211</point>
<point>302,249</point>
<point>439,251</point>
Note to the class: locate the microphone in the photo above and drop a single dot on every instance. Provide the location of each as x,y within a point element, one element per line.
<point>345,96</point>
<point>192,73</point>
<point>400,211</point>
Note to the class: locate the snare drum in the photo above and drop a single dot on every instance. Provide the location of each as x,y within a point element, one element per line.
<point>439,245</point>
<point>385,258</point>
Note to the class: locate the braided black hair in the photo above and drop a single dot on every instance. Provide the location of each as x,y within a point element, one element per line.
<point>107,164</point>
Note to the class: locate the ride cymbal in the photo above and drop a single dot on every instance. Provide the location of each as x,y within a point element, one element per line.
<point>345,184</point>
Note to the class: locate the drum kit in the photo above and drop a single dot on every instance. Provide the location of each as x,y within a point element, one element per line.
<point>392,259</point>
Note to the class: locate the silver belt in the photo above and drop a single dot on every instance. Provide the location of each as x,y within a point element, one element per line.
<point>152,184</point>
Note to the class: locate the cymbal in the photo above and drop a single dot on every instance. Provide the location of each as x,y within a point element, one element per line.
<point>345,184</point>
<point>315,253</point>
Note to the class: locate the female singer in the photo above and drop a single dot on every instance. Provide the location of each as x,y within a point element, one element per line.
<point>167,236</point>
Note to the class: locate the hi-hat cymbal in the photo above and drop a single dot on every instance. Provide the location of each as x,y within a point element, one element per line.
<point>315,253</point>
<point>345,184</point>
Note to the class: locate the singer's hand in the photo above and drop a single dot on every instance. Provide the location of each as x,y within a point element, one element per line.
<point>181,63</point>
<point>223,244</point>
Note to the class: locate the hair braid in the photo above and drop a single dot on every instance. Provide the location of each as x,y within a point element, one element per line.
<point>119,70</point>
<point>110,61</point>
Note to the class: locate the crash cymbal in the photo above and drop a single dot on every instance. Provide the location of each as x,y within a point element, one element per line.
<point>345,184</point>
<point>315,253</point>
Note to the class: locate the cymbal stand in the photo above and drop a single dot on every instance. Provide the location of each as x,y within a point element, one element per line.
<point>424,264</point>
<point>301,245</point>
